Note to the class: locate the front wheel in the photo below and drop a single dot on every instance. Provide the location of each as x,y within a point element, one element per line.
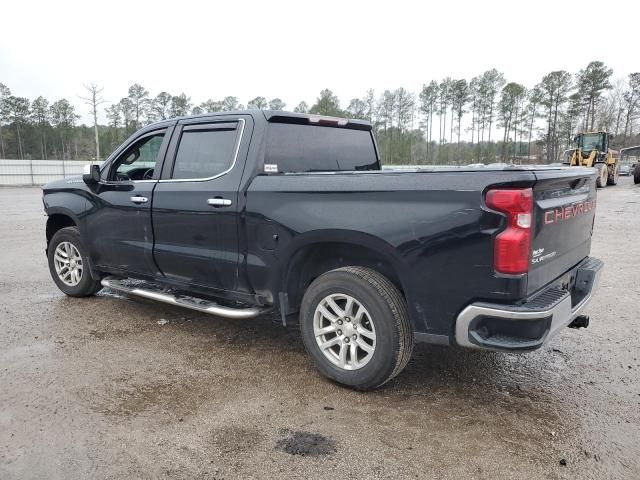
<point>603,175</point>
<point>355,325</point>
<point>68,264</point>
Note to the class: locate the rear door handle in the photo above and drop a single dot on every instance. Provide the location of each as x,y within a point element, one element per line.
<point>139,199</point>
<point>219,202</point>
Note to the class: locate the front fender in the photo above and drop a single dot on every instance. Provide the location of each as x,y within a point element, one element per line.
<point>69,202</point>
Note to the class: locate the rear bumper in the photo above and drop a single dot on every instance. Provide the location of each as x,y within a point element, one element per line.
<point>529,325</point>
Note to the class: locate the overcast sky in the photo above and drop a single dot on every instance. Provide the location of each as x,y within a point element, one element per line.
<point>293,49</point>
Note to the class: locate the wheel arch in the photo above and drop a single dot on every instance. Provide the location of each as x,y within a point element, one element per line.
<point>59,218</point>
<point>319,252</point>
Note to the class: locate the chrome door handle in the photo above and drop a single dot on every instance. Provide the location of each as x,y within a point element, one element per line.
<point>219,202</point>
<point>139,199</point>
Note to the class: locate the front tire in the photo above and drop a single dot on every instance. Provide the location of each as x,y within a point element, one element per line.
<point>68,264</point>
<point>355,325</point>
<point>603,176</point>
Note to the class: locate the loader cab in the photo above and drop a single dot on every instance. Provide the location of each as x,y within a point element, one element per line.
<point>588,142</point>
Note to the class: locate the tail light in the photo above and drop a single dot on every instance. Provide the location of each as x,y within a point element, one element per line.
<point>512,246</point>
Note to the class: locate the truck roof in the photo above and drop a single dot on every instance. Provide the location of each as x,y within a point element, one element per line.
<point>281,116</point>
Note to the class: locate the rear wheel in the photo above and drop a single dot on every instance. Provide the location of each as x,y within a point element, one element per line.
<point>355,325</point>
<point>68,264</point>
<point>603,175</point>
<point>613,179</point>
<point>636,175</point>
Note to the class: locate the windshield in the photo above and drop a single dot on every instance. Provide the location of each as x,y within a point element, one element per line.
<point>591,141</point>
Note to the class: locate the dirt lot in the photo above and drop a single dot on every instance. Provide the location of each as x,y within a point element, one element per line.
<point>105,388</point>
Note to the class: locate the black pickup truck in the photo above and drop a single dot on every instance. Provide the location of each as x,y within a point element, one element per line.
<point>240,213</point>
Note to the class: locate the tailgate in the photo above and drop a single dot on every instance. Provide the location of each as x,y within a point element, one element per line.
<point>564,210</point>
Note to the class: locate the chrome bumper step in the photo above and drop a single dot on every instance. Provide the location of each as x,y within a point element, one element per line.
<point>528,326</point>
<point>148,290</point>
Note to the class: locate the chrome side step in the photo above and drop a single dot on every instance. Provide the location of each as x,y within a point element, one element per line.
<point>147,290</point>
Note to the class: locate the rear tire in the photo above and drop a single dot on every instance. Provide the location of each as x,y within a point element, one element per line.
<point>603,175</point>
<point>69,265</point>
<point>613,179</point>
<point>338,308</point>
<point>636,175</point>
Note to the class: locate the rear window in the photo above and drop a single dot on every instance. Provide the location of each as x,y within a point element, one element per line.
<point>204,153</point>
<point>311,148</point>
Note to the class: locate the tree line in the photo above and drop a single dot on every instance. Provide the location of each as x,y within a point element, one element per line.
<point>450,121</point>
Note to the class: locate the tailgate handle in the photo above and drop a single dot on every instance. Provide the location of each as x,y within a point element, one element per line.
<point>578,182</point>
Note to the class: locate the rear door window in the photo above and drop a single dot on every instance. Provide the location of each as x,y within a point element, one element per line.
<point>312,148</point>
<point>205,151</point>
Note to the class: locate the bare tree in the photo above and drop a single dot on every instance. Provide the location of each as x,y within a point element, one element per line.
<point>5,93</point>
<point>617,100</point>
<point>632,102</point>
<point>94,99</point>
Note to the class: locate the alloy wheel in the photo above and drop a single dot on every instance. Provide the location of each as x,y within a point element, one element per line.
<point>68,263</point>
<point>344,331</point>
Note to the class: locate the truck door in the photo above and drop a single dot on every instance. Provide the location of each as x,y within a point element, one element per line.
<point>121,237</point>
<point>195,207</point>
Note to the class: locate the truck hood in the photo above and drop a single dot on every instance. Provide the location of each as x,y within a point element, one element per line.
<point>65,183</point>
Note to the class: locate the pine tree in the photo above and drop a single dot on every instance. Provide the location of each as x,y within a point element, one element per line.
<point>591,82</point>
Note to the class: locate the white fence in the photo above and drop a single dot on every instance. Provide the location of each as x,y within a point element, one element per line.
<point>38,172</point>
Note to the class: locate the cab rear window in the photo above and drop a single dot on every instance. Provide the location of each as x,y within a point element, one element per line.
<point>312,148</point>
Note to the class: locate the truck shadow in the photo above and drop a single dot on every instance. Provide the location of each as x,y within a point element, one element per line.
<point>262,353</point>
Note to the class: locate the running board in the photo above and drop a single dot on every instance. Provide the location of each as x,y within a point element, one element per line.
<point>147,290</point>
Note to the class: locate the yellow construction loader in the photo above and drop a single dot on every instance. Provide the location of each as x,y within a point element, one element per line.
<point>592,150</point>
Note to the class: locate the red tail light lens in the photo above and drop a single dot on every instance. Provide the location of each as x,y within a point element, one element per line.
<point>512,246</point>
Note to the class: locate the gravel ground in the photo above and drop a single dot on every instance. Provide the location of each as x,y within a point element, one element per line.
<point>114,387</point>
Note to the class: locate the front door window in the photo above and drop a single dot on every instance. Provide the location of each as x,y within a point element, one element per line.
<point>138,162</point>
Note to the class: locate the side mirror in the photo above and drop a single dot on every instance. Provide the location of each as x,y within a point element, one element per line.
<point>91,174</point>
